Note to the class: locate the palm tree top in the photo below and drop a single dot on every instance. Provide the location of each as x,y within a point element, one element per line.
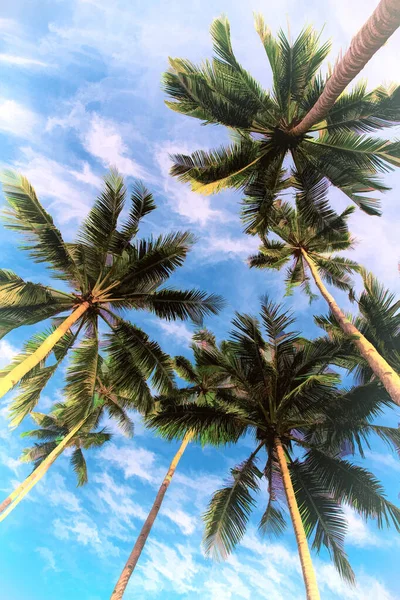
<point>109,270</point>
<point>302,233</point>
<point>338,149</point>
<point>282,387</point>
<point>52,429</point>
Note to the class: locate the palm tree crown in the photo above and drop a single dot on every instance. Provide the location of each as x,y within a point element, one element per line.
<point>337,149</point>
<point>297,238</point>
<point>52,430</point>
<point>284,394</point>
<point>108,270</point>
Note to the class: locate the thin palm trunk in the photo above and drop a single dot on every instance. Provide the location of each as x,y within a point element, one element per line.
<point>378,364</point>
<point>122,582</point>
<point>374,33</point>
<point>8,505</point>
<point>310,580</point>
<point>8,381</point>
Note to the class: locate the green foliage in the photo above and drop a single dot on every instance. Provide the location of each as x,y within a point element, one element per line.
<point>274,384</point>
<point>222,92</point>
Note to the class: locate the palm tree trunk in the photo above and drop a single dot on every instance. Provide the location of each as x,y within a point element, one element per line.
<point>144,534</point>
<point>374,33</point>
<point>378,364</point>
<point>310,580</point>
<point>21,491</point>
<point>14,376</point>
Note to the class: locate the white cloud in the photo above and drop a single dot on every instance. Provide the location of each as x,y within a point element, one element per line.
<point>8,461</point>
<point>358,532</point>
<point>23,61</point>
<point>168,565</point>
<point>85,532</point>
<point>48,558</point>
<point>16,119</point>
<point>56,493</point>
<point>53,180</point>
<point>87,176</point>
<point>194,207</point>
<point>186,522</point>
<point>104,141</point>
<point>7,353</point>
<point>134,462</point>
<point>384,462</point>
<point>220,247</point>
<point>179,331</point>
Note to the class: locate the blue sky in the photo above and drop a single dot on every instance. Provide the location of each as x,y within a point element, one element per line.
<point>79,92</point>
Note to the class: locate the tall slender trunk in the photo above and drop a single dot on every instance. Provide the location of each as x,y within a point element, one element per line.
<point>12,378</point>
<point>148,524</point>
<point>373,34</point>
<point>310,581</point>
<point>21,491</point>
<point>378,364</point>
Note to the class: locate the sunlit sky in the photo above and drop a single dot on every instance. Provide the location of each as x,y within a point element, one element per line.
<point>79,92</point>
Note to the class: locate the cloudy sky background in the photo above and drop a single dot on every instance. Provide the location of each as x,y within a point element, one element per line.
<point>79,92</point>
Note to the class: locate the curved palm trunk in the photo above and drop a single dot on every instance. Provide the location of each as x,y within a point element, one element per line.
<point>378,364</point>
<point>12,378</point>
<point>122,582</point>
<point>310,580</point>
<point>374,33</point>
<point>8,505</point>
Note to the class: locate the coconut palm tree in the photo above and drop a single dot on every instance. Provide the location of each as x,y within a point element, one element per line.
<point>285,395</point>
<point>373,35</point>
<point>107,270</point>
<point>311,251</point>
<point>204,385</point>
<point>262,124</point>
<point>378,321</point>
<point>73,425</point>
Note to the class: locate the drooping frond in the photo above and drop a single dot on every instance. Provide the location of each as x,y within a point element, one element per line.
<point>128,345</point>
<point>26,214</point>
<point>142,204</point>
<point>229,510</point>
<point>79,465</point>
<point>321,516</point>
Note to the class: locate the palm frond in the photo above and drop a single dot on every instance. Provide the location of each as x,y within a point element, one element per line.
<point>229,510</point>
<point>26,214</point>
<point>79,465</point>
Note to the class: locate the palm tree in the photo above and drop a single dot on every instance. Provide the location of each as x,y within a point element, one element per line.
<point>204,384</point>
<point>311,251</point>
<point>262,124</point>
<point>378,321</point>
<point>373,35</point>
<point>55,437</point>
<point>107,270</point>
<point>284,397</point>
<point>73,425</point>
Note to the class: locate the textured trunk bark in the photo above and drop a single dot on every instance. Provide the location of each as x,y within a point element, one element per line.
<point>374,33</point>
<point>12,378</point>
<point>8,505</point>
<point>122,582</point>
<point>310,580</point>
<point>378,364</point>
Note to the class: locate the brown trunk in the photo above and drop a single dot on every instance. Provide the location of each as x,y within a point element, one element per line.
<point>374,33</point>
<point>20,492</point>
<point>310,580</point>
<point>12,378</point>
<point>378,364</point>
<point>144,534</point>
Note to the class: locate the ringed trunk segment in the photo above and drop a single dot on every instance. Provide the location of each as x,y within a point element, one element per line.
<point>13,377</point>
<point>373,34</point>
<point>380,367</point>
<point>310,580</point>
<point>134,556</point>
<point>8,505</point>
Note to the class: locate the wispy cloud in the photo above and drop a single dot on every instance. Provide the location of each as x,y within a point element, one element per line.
<point>22,61</point>
<point>48,558</point>
<point>16,119</point>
